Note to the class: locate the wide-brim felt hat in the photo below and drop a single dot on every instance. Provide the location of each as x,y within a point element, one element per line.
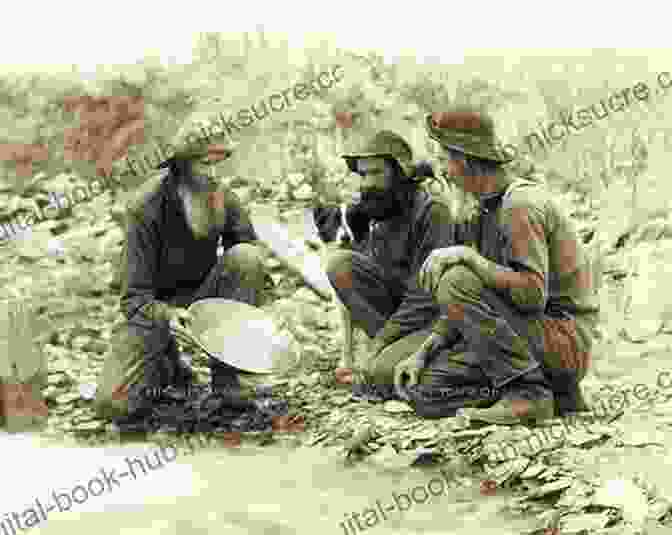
<point>384,144</point>
<point>469,131</point>
<point>198,134</point>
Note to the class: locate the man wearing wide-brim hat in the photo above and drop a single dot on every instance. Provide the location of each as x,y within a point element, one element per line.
<point>187,238</point>
<point>397,224</point>
<point>521,297</point>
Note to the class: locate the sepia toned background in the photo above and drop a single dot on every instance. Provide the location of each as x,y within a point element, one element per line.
<point>399,63</point>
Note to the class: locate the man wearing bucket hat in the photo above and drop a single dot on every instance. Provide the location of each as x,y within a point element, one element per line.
<point>377,282</point>
<point>521,297</point>
<point>187,238</point>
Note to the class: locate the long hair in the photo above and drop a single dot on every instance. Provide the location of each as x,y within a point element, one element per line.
<point>191,193</point>
<point>177,166</point>
<point>181,174</point>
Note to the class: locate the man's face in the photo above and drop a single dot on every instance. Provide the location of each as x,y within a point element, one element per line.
<point>377,188</point>
<point>211,163</point>
<point>204,196</point>
<point>451,166</point>
<point>374,175</point>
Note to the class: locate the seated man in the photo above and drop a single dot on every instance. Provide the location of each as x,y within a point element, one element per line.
<point>398,225</point>
<point>521,297</point>
<point>187,238</point>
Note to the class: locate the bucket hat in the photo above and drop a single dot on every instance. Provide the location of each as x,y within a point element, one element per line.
<point>466,130</point>
<point>196,134</point>
<point>384,144</point>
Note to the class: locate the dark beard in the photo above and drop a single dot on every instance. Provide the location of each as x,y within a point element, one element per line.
<point>380,205</point>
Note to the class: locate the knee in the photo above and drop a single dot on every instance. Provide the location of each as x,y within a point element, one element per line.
<point>339,269</point>
<point>457,284</point>
<point>245,258</point>
<point>108,406</point>
<point>381,369</point>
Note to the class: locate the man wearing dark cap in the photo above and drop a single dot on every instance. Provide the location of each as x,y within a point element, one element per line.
<point>520,296</point>
<point>187,238</point>
<point>398,224</point>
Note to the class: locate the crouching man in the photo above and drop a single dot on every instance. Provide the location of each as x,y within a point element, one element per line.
<point>520,297</point>
<point>397,225</point>
<point>187,238</point>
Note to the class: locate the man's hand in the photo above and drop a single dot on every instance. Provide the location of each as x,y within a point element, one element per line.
<point>407,372</point>
<point>162,311</point>
<point>439,260</point>
<point>179,317</point>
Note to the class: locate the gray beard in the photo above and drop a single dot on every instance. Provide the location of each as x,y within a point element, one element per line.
<point>201,219</point>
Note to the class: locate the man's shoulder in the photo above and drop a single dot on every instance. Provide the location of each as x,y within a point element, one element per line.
<point>431,209</point>
<point>231,199</point>
<point>441,209</point>
<point>146,195</point>
<point>523,193</point>
<point>424,200</point>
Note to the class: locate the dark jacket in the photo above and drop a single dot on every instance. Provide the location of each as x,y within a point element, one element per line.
<point>161,258</point>
<point>400,246</point>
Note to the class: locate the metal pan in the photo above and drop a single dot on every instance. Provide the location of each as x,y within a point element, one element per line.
<point>239,335</point>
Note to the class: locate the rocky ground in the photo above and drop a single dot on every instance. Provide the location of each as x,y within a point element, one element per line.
<point>558,475</point>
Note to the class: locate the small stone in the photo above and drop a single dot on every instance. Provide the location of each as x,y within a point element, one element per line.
<point>244,194</point>
<point>87,391</point>
<point>306,295</point>
<point>51,392</point>
<point>285,190</point>
<point>312,379</point>
<point>57,378</point>
<point>304,193</point>
<point>91,425</point>
<point>396,407</point>
<point>295,178</point>
<point>80,342</point>
<point>69,397</point>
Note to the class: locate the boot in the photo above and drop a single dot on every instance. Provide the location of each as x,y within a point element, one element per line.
<point>526,400</point>
<point>567,390</point>
<point>364,389</point>
<point>431,409</point>
<point>142,396</point>
<point>222,377</point>
<point>184,375</point>
<point>225,383</point>
<point>372,393</point>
